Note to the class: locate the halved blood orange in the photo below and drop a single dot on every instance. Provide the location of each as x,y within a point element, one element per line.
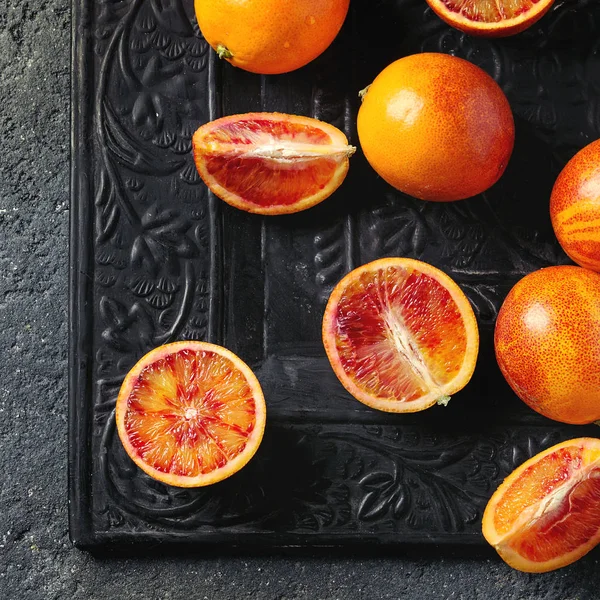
<point>546,514</point>
<point>271,163</point>
<point>491,18</point>
<point>190,413</point>
<point>400,335</point>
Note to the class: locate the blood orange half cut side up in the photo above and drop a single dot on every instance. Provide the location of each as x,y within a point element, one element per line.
<point>491,18</point>
<point>190,414</point>
<point>546,513</point>
<point>400,335</point>
<point>271,163</point>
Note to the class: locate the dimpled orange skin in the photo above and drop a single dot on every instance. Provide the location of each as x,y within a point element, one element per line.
<point>436,127</point>
<point>271,36</point>
<point>547,342</point>
<point>575,207</point>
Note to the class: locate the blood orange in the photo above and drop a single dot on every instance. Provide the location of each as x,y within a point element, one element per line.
<point>497,18</point>
<point>546,514</point>
<point>270,36</point>
<point>271,163</point>
<point>400,335</point>
<point>547,342</point>
<point>436,127</point>
<point>190,414</point>
<point>575,207</point>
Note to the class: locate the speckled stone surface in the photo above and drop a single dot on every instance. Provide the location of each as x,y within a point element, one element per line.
<point>37,560</point>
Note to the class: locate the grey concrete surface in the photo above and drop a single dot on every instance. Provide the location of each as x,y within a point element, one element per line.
<point>37,560</point>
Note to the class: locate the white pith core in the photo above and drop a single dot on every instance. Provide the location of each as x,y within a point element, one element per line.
<point>283,151</point>
<point>551,502</point>
<point>190,413</point>
<point>409,351</point>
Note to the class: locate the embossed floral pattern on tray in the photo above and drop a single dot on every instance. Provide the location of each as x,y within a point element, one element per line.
<point>157,258</point>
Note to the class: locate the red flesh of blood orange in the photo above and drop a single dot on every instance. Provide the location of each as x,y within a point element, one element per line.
<point>491,18</point>
<point>270,163</point>
<point>400,335</point>
<point>546,514</point>
<point>190,414</point>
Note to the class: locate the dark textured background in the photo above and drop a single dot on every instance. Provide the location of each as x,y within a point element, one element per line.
<point>36,557</point>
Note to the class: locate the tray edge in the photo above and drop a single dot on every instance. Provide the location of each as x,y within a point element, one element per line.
<point>80,529</point>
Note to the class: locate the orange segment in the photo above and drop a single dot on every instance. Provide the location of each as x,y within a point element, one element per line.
<point>490,11</point>
<point>190,413</point>
<point>271,163</point>
<point>536,482</point>
<point>400,335</point>
<point>491,18</point>
<point>546,514</point>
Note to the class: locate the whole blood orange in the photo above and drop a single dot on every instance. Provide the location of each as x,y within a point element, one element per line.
<point>271,163</point>
<point>546,513</point>
<point>499,18</point>
<point>547,342</point>
<point>270,36</point>
<point>400,335</point>
<point>575,207</point>
<point>190,414</point>
<point>436,127</point>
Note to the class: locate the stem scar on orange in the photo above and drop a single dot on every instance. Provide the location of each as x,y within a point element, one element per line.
<point>499,18</point>
<point>190,414</point>
<point>270,36</point>
<point>547,342</point>
<point>436,127</point>
<point>546,513</point>
<point>271,163</point>
<point>575,207</point>
<point>400,335</point>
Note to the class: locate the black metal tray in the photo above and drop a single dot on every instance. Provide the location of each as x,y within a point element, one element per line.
<point>155,258</point>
